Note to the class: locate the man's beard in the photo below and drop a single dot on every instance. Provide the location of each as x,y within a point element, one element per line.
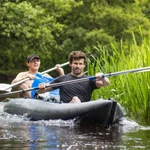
<point>77,71</point>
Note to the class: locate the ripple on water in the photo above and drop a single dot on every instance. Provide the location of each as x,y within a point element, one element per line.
<point>20,131</point>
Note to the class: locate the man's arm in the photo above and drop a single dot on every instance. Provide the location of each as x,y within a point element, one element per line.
<point>101,81</point>
<point>60,70</point>
<point>22,76</point>
<point>43,89</point>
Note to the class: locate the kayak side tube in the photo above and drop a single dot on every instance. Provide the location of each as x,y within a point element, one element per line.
<point>101,111</point>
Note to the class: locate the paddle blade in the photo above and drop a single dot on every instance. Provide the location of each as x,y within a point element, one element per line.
<point>5,86</point>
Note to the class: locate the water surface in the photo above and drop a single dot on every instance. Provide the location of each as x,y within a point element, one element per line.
<point>18,132</point>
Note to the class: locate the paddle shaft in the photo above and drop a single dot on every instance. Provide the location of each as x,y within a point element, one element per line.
<point>80,80</point>
<point>26,79</point>
<point>103,76</point>
<point>138,70</point>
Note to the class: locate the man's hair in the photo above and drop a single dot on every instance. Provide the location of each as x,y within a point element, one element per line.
<point>74,55</point>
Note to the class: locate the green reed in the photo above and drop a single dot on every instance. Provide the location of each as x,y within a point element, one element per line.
<point>131,90</point>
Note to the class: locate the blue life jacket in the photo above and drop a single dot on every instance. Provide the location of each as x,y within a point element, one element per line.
<point>40,79</point>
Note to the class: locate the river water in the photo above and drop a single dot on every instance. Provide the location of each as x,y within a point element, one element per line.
<point>18,133</point>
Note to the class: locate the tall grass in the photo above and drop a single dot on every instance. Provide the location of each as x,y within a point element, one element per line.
<point>131,90</point>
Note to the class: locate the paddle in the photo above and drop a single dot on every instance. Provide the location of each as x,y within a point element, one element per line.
<point>138,70</point>
<point>5,86</point>
<point>8,87</point>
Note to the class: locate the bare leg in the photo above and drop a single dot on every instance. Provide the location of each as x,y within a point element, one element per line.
<point>75,99</point>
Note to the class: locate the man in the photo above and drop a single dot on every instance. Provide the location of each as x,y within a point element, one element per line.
<point>76,92</point>
<point>33,63</point>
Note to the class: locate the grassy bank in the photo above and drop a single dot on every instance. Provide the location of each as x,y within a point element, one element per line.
<point>132,90</point>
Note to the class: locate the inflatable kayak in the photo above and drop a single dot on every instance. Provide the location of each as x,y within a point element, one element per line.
<point>99,111</point>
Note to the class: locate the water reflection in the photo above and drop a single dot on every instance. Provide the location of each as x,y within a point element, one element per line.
<point>67,137</point>
<point>45,135</point>
<point>17,132</point>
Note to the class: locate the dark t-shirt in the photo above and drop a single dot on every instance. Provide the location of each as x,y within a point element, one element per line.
<point>82,89</point>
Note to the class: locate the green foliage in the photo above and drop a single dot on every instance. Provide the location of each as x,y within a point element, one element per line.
<point>21,26</point>
<point>131,90</point>
<point>53,28</point>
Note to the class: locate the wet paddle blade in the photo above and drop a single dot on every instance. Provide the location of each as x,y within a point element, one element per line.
<point>5,86</point>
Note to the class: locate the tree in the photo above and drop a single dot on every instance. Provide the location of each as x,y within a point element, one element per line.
<point>53,28</point>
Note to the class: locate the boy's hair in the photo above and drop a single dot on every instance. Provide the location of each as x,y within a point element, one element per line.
<point>74,55</point>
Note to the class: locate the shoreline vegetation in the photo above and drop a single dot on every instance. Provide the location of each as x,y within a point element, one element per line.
<point>132,91</point>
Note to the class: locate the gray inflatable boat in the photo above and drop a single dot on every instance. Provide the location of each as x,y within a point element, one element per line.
<point>100,111</point>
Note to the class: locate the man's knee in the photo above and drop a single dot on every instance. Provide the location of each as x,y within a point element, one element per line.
<point>75,99</point>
